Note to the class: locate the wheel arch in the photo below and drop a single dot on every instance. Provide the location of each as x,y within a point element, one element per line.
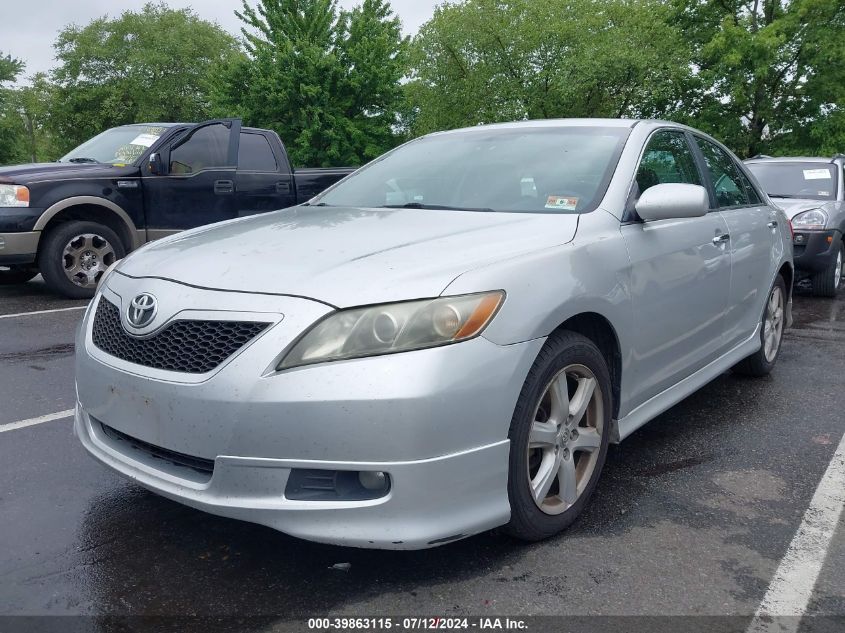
<point>600,331</point>
<point>95,209</point>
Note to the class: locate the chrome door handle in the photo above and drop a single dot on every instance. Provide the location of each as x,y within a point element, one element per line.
<point>772,224</point>
<point>724,237</point>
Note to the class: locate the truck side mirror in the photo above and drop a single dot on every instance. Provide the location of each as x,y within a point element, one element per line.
<point>156,166</point>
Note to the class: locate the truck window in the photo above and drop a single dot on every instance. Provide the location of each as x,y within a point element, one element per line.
<point>208,147</point>
<point>255,153</point>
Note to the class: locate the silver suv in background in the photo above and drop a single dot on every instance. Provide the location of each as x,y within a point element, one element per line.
<point>444,342</point>
<point>812,192</point>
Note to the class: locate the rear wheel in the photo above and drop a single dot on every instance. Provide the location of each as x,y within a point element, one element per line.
<point>761,362</point>
<point>17,275</point>
<point>827,282</point>
<point>559,436</point>
<point>75,255</point>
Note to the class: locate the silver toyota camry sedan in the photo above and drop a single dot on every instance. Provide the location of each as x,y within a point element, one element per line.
<point>444,342</point>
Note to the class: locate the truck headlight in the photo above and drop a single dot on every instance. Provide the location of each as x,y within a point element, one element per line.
<point>394,327</point>
<point>810,220</point>
<point>14,196</point>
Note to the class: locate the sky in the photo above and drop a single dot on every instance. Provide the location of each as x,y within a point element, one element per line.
<point>30,35</point>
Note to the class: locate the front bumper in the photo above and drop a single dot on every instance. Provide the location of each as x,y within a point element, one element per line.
<point>815,250</point>
<point>19,248</point>
<point>435,420</point>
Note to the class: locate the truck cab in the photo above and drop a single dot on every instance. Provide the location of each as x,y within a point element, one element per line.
<point>70,220</point>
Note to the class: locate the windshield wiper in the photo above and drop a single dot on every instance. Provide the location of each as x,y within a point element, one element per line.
<point>319,204</point>
<point>83,160</point>
<point>420,205</point>
<point>782,195</point>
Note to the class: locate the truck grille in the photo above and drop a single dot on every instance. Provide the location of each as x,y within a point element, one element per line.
<point>193,347</point>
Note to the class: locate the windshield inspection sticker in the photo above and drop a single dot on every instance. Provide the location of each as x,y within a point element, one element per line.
<point>816,174</point>
<point>144,139</point>
<point>561,202</point>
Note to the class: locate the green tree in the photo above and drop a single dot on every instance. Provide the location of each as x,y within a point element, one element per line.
<point>327,81</point>
<point>157,64</point>
<point>770,76</point>
<point>493,60</point>
<point>11,129</point>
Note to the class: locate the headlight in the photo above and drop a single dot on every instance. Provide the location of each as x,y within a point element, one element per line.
<point>14,196</point>
<point>812,219</point>
<point>394,327</point>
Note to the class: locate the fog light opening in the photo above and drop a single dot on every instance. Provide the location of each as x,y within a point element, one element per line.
<point>373,479</point>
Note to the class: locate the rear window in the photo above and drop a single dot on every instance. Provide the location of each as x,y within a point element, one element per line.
<point>255,153</point>
<point>816,181</point>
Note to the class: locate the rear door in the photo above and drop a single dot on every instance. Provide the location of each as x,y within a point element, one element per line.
<point>198,186</point>
<point>753,227</point>
<point>680,275</point>
<point>263,181</point>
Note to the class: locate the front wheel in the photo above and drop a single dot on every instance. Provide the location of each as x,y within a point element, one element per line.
<point>75,255</point>
<point>827,282</point>
<point>559,436</point>
<point>17,275</point>
<point>761,362</point>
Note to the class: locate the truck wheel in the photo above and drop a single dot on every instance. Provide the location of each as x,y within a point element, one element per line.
<point>75,255</point>
<point>828,281</point>
<point>559,435</point>
<point>16,275</point>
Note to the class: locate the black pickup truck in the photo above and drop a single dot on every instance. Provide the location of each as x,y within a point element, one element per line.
<point>71,219</point>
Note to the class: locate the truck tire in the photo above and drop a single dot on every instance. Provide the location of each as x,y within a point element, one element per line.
<point>17,275</point>
<point>74,255</point>
<point>827,282</point>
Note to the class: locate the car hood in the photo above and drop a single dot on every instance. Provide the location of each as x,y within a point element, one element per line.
<point>24,174</point>
<point>794,206</point>
<point>347,256</point>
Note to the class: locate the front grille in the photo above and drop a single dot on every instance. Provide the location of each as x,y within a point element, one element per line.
<point>193,347</point>
<point>199,464</point>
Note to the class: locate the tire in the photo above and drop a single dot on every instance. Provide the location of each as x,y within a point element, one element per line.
<point>827,282</point>
<point>536,448</point>
<point>761,362</point>
<point>75,254</point>
<point>17,275</point>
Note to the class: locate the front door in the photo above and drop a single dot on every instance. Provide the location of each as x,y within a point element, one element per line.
<point>198,186</point>
<point>680,277</point>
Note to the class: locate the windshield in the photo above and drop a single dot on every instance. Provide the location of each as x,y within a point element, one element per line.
<point>816,181</point>
<point>117,146</point>
<point>529,170</point>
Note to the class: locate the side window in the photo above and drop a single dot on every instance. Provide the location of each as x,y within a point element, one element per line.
<point>208,147</point>
<point>753,197</point>
<point>667,158</point>
<point>255,153</point>
<point>727,180</point>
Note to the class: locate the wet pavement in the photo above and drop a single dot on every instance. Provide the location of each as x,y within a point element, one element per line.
<point>692,516</point>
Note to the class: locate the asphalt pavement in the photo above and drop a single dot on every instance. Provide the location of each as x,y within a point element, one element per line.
<point>694,516</point>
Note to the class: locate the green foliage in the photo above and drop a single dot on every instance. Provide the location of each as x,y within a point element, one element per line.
<point>326,80</point>
<point>771,76</point>
<point>154,65</point>
<point>496,60</point>
<point>11,130</point>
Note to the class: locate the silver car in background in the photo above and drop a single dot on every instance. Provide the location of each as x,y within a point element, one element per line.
<point>442,343</point>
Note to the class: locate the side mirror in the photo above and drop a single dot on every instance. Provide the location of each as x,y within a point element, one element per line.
<point>673,200</point>
<point>156,166</point>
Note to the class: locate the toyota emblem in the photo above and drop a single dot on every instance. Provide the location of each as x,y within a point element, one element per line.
<point>142,310</point>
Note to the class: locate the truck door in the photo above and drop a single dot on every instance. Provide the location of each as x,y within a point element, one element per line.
<point>195,180</point>
<point>263,181</point>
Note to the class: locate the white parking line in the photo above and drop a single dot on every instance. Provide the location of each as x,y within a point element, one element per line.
<point>22,314</point>
<point>792,587</point>
<point>11,426</point>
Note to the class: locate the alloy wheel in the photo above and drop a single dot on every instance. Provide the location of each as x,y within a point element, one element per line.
<point>565,438</point>
<point>773,324</point>
<point>838,271</point>
<point>86,257</point>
